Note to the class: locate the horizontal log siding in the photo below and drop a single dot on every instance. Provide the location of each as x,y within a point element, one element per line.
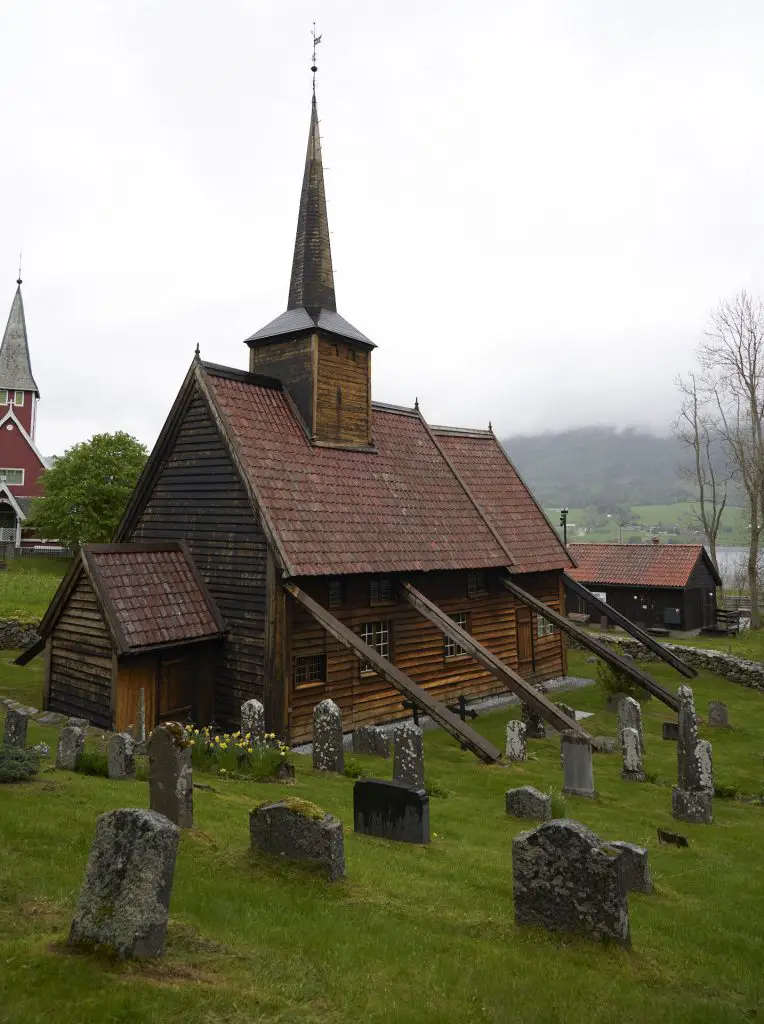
<point>80,659</point>
<point>198,497</point>
<point>343,394</point>
<point>418,648</point>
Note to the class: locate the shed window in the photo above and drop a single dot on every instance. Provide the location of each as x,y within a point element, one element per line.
<point>476,583</point>
<point>12,476</point>
<point>18,397</point>
<point>452,648</point>
<point>310,668</point>
<point>543,626</point>
<point>381,591</point>
<point>335,593</point>
<point>376,635</point>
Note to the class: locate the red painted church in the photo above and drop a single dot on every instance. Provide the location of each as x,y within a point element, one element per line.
<point>21,464</point>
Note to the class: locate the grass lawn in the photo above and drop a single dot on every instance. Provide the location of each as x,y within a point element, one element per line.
<point>748,644</point>
<point>28,585</point>
<point>413,934</point>
<point>734,529</point>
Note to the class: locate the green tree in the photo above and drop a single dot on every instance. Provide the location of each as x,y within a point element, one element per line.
<point>87,489</point>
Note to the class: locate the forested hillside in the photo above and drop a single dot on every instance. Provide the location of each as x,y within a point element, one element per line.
<point>600,466</point>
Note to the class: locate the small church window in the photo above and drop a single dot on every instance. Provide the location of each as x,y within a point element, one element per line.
<point>310,668</point>
<point>381,590</point>
<point>476,583</point>
<point>3,397</point>
<point>452,648</point>
<point>335,593</point>
<point>18,397</point>
<point>376,635</point>
<point>12,476</point>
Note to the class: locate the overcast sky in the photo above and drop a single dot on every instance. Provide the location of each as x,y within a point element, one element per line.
<point>533,205</point>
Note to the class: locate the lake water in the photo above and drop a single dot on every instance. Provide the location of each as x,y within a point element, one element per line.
<point>728,559</point>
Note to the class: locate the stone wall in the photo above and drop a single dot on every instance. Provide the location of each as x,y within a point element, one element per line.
<point>15,634</point>
<point>737,670</point>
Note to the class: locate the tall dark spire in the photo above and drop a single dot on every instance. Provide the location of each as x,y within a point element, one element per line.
<point>312,281</point>
<point>15,365</point>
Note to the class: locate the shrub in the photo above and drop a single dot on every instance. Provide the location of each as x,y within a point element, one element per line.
<point>94,762</point>
<point>354,769</point>
<point>436,790</point>
<point>17,764</point>
<point>559,805</point>
<point>614,681</point>
<point>235,756</point>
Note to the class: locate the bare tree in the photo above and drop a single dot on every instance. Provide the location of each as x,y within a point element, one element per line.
<point>698,430</point>
<point>732,360</point>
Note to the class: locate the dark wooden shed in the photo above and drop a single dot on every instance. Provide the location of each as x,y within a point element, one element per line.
<point>670,586</point>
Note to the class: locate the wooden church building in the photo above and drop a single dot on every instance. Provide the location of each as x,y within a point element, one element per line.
<point>291,539</point>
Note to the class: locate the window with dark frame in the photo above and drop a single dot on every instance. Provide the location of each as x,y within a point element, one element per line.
<point>381,590</point>
<point>452,648</point>
<point>309,668</point>
<point>335,593</point>
<point>376,635</point>
<point>476,583</point>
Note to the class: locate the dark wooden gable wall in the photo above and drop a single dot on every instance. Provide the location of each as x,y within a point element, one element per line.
<point>79,653</point>
<point>197,495</point>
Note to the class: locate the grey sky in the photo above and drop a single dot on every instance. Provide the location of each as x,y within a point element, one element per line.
<point>533,205</point>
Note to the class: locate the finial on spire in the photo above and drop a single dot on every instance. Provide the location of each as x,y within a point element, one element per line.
<point>416,403</point>
<point>196,351</point>
<point>490,428</point>
<point>18,279</point>
<point>314,66</point>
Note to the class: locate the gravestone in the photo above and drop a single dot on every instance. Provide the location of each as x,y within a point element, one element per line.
<point>630,717</point>
<point>706,766</point>
<point>391,810</point>
<point>613,701</point>
<point>517,748</point>
<point>121,751</point>
<point>670,731</point>
<point>632,770</point>
<point>328,754</point>
<point>578,777</point>
<point>529,802</point>
<point>371,739</point>
<point>15,732</point>
<point>171,787</point>
<point>718,716</point>
<point>300,831</point>
<point>125,897</point>
<point>567,710</point>
<point>253,721</point>
<point>535,728</point>
<point>566,879</point>
<point>408,755</point>
<point>634,865</point>
<point>71,744</point>
<point>690,800</point>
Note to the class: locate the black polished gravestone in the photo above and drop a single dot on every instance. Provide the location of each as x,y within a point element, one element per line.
<point>391,810</point>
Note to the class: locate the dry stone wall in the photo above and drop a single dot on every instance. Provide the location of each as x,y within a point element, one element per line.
<point>15,634</point>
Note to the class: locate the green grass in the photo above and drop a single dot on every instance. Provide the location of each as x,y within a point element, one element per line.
<point>413,934</point>
<point>28,585</point>
<point>734,529</point>
<point>748,644</point>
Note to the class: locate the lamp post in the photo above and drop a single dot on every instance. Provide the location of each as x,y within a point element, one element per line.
<point>564,525</point>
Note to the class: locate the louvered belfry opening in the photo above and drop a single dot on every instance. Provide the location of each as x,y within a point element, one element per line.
<point>322,360</point>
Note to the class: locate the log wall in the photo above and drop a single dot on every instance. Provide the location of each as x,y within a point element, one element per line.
<point>418,647</point>
<point>343,394</point>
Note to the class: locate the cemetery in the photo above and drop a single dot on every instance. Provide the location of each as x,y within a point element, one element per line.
<point>394,876</point>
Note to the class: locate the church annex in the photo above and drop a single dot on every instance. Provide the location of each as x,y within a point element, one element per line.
<point>327,545</point>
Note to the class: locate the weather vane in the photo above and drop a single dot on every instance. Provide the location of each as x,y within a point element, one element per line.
<point>314,66</point>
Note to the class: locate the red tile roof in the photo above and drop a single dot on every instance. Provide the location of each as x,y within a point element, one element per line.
<point>400,509</point>
<point>151,594</point>
<point>492,479</point>
<point>639,565</point>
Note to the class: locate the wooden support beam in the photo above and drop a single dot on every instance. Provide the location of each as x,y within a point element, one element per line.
<point>439,713</point>
<point>640,677</point>
<point>631,628</point>
<point>515,683</point>
<point>30,652</point>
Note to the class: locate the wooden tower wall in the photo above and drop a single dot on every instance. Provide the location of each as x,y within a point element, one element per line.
<point>291,362</point>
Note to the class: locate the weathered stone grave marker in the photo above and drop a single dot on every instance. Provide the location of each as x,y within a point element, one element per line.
<point>630,717</point>
<point>121,756</point>
<point>670,731</point>
<point>668,838</point>
<point>298,830</point>
<point>125,897</point>
<point>171,788</point>
<point>371,739</point>
<point>253,721</point>
<point>391,810</point>
<point>718,716</point>
<point>632,770</point>
<point>408,755</point>
<point>565,879</point>
<point>578,775</point>
<point>516,748</point>
<point>15,732</point>
<point>705,766</point>
<point>635,867</point>
<point>691,799</point>
<point>71,744</point>
<point>535,727</point>
<point>528,802</point>
<point>328,753</point>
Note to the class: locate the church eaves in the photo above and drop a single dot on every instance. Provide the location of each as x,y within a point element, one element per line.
<point>15,365</point>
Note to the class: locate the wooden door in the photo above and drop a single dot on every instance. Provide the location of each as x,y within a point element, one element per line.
<point>134,675</point>
<point>525,664</point>
<point>177,688</point>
